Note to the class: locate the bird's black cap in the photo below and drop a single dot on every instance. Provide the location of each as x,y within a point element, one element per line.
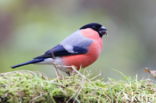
<point>97,27</point>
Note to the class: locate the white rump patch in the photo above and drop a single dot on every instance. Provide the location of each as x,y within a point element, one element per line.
<point>50,61</point>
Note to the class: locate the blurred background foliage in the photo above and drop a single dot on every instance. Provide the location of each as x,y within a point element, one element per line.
<point>30,27</point>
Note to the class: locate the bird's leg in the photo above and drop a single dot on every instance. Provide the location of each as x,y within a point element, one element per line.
<point>57,72</point>
<point>76,71</point>
<point>81,75</point>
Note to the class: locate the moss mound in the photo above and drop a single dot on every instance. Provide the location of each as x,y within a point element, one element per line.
<point>34,87</point>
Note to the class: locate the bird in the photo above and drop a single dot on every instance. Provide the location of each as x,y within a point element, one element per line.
<point>79,50</point>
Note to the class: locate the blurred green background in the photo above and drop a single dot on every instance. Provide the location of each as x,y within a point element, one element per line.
<point>30,27</point>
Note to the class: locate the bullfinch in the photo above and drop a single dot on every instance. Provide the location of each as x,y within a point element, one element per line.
<point>80,49</point>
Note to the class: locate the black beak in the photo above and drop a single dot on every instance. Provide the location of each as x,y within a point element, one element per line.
<point>102,31</point>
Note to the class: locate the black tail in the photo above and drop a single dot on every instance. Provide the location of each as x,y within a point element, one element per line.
<point>26,63</point>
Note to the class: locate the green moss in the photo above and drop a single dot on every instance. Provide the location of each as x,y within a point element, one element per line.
<point>34,87</point>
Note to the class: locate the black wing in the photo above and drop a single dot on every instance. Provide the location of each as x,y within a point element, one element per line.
<point>59,51</point>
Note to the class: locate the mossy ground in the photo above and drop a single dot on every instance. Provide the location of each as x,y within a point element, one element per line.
<point>34,87</point>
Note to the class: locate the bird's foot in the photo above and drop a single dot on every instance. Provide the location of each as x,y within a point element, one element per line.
<point>74,71</point>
